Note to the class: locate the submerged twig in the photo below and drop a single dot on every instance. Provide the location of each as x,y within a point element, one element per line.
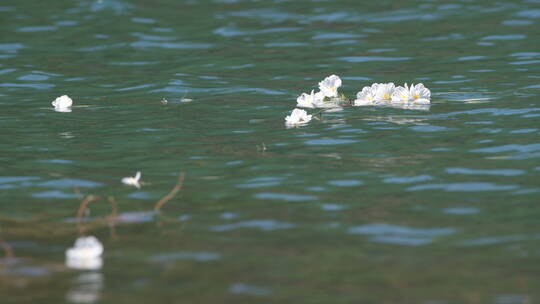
<point>8,251</point>
<point>111,219</point>
<point>82,208</point>
<point>172,193</point>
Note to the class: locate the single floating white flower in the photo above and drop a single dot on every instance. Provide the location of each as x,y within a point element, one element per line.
<point>330,85</point>
<point>417,94</point>
<point>366,97</point>
<point>62,104</point>
<point>310,100</point>
<point>383,91</point>
<point>86,254</point>
<point>133,181</point>
<point>420,94</point>
<point>401,95</point>
<point>297,117</point>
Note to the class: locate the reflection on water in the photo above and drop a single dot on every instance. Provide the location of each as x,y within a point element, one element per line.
<point>86,288</point>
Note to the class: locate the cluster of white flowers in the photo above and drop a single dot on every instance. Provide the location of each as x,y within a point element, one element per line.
<point>325,98</point>
<point>405,97</point>
<point>384,93</point>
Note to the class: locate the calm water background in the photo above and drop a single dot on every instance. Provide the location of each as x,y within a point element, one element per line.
<point>370,205</point>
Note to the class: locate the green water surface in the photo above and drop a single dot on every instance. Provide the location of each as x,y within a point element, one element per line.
<point>362,205</point>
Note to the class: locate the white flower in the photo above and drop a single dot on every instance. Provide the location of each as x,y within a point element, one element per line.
<point>297,117</point>
<point>133,181</point>
<point>417,94</point>
<point>63,110</point>
<point>366,97</point>
<point>401,95</point>
<point>62,104</point>
<point>310,100</point>
<point>383,91</point>
<point>86,254</point>
<point>330,85</point>
<point>420,94</point>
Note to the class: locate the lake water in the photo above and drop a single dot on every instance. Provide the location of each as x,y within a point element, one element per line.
<point>363,205</point>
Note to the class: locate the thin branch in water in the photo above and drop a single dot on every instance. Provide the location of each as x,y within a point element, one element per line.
<point>82,208</point>
<point>171,194</point>
<point>8,251</point>
<point>111,219</point>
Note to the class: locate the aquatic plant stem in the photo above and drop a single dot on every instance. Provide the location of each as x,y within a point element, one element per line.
<point>82,208</point>
<point>8,251</point>
<point>111,219</point>
<point>172,193</point>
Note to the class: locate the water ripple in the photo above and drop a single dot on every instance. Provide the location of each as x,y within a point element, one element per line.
<point>31,29</point>
<point>492,111</point>
<point>508,148</point>
<point>356,59</point>
<point>11,47</point>
<point>429,129</point>
<point>345,183</point>
<point>532,13</point>
<point>241,288</point>
<point>191,256</point>
<point>498,240</point>
<point>401,235</point>
<point>143,20</point>
<point>327,36</point>
<point>408,179</point>
<point>70,183</point>
<point>232,31</point>
<point>517,22</point>
<point>37,86</point>
<point>171,45</point>
<point>265,225</point>
<point>329,142</point>
<point>144,37</point>
<point>505,37</point>
<point>464,187</point>
<point>54,194</point>
<point>285,197</point>
<point>461,210</point>
<point>16,179</point>
<point>497,172</point>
